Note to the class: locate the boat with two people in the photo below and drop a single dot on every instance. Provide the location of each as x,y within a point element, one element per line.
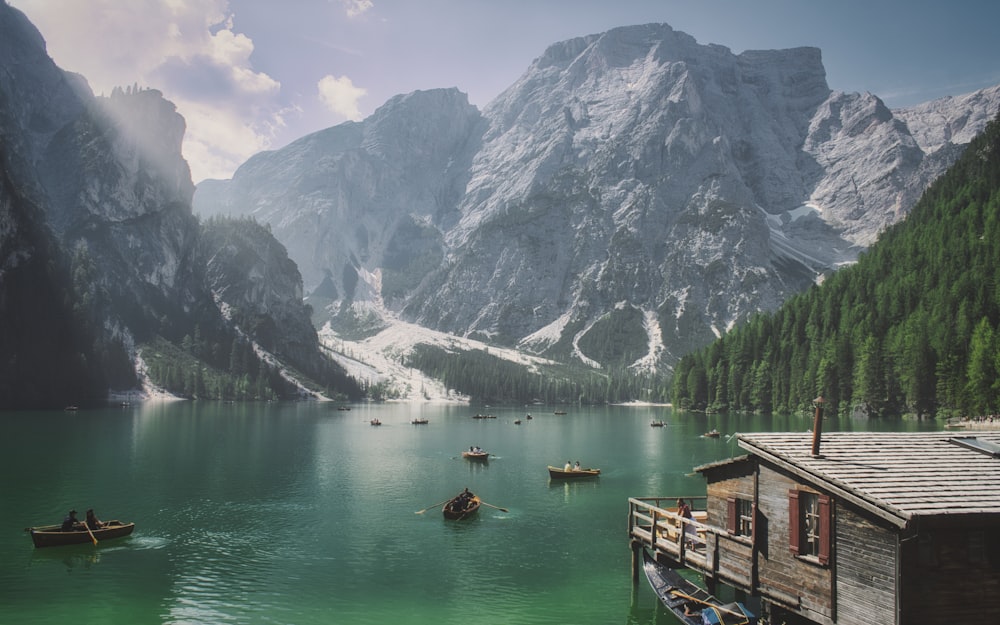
<point>78,534</point>
<point>476,454</point>
<point>690,603</point>
<point>462,506</point>
<point>569,472</point>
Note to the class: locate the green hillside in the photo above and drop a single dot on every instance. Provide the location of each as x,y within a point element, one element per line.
<point>911,328</point>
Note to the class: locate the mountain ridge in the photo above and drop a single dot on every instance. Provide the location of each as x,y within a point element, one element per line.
<point>632,170</point>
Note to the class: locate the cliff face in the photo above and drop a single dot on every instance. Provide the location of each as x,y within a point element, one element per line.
<point>96,222</point>
<point>633,182</point>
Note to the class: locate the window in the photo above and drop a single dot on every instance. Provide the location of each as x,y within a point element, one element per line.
<point>809,524</point>
<point>809,518</point>
<point>740,518</point>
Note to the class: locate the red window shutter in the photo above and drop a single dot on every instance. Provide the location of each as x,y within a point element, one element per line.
<point>825,522</point>
<point>732,520</point>
<point>794,538</point>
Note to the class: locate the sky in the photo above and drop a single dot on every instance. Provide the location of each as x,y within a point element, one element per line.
<point>253,75</point>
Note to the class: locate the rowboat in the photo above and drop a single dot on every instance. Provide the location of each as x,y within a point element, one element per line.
<point>53,536</point>
<point>657,424</point>
<point>461,507</point>
<point>713,434</point>
<point>690,603</point>
<point>562,474</point>
<point>375,422</point>
<point>476,456</point>
<point>420,421</point>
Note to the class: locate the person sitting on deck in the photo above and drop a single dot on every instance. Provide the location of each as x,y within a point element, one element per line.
<point>568,467</point>
<point>69,522</point>
<point>92,521</point>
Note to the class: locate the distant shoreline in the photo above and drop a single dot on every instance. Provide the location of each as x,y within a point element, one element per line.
<point>981,423</point>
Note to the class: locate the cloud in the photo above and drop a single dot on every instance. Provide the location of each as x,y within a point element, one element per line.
<point>355,8</point>
<point>341,96</point>
<point>188,50</point>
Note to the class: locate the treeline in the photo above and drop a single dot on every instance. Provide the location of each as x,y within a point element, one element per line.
<point>911,328</point>
<point>486,378</point>
<point>196,370</point>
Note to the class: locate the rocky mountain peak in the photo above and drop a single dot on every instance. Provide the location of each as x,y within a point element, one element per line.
<point>633,183</point>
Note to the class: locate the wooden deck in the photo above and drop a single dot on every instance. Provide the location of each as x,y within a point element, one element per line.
<point>712,551</point>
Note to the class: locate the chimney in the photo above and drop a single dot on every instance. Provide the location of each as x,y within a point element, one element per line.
<point>817,426</point>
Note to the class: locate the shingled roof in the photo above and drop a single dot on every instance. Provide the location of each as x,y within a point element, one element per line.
<point>898,476</point>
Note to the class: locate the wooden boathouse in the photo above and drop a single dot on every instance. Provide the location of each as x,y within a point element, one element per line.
<point>855,528</point>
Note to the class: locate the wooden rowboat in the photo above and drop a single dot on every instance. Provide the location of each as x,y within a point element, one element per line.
<point>52,536</point>
<point>476,456</point>
<point>461,507</point>
<point>690,603</point>
<point>562,474</point>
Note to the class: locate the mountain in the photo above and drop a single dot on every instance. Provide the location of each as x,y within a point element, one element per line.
<point>633,196</point>
<point>913,327</point>
<point>102,263</point>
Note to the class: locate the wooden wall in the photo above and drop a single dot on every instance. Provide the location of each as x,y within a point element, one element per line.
<point>952,575</point>
<point>780,569</point>
<point>865,564</point>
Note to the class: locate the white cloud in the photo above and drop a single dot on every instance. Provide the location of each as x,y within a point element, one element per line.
<point>355,8</point>
<point>185,48</point>
<point>341,96</point>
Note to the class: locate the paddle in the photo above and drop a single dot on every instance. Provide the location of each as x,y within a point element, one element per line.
<point>702,601</point>
<point>440,503</point>
<point>92,537</point>
<point>492,506</point>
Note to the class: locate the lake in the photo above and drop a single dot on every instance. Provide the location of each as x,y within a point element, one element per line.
<point>300,513</point>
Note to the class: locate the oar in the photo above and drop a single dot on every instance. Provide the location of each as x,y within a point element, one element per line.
<point>711,605</point>
<point>92,537</point>
<point>440,503</point>
<point>492,506</point>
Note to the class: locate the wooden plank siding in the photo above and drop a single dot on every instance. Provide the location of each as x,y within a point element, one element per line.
<point>779,569</point>
<point>955,580</point>
<point>866,566</point>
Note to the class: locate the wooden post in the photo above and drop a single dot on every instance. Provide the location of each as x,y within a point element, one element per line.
<point>635,561</point>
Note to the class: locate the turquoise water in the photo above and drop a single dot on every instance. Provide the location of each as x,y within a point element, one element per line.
<point>297,513</point>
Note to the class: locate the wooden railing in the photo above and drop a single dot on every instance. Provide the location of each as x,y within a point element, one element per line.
<point>710,550</point>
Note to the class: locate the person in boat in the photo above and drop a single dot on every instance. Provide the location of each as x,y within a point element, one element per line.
<point>69,523</point>
<point>463,501</point>
<point>576,467</point>
<point>568,467</point>
<point>92,521</point>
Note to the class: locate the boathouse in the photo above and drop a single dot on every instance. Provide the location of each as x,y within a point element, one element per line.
<point>845,528</point>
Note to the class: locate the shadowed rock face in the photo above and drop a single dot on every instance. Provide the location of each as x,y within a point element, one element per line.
<point>96,226</point>
<point>634,170</point>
